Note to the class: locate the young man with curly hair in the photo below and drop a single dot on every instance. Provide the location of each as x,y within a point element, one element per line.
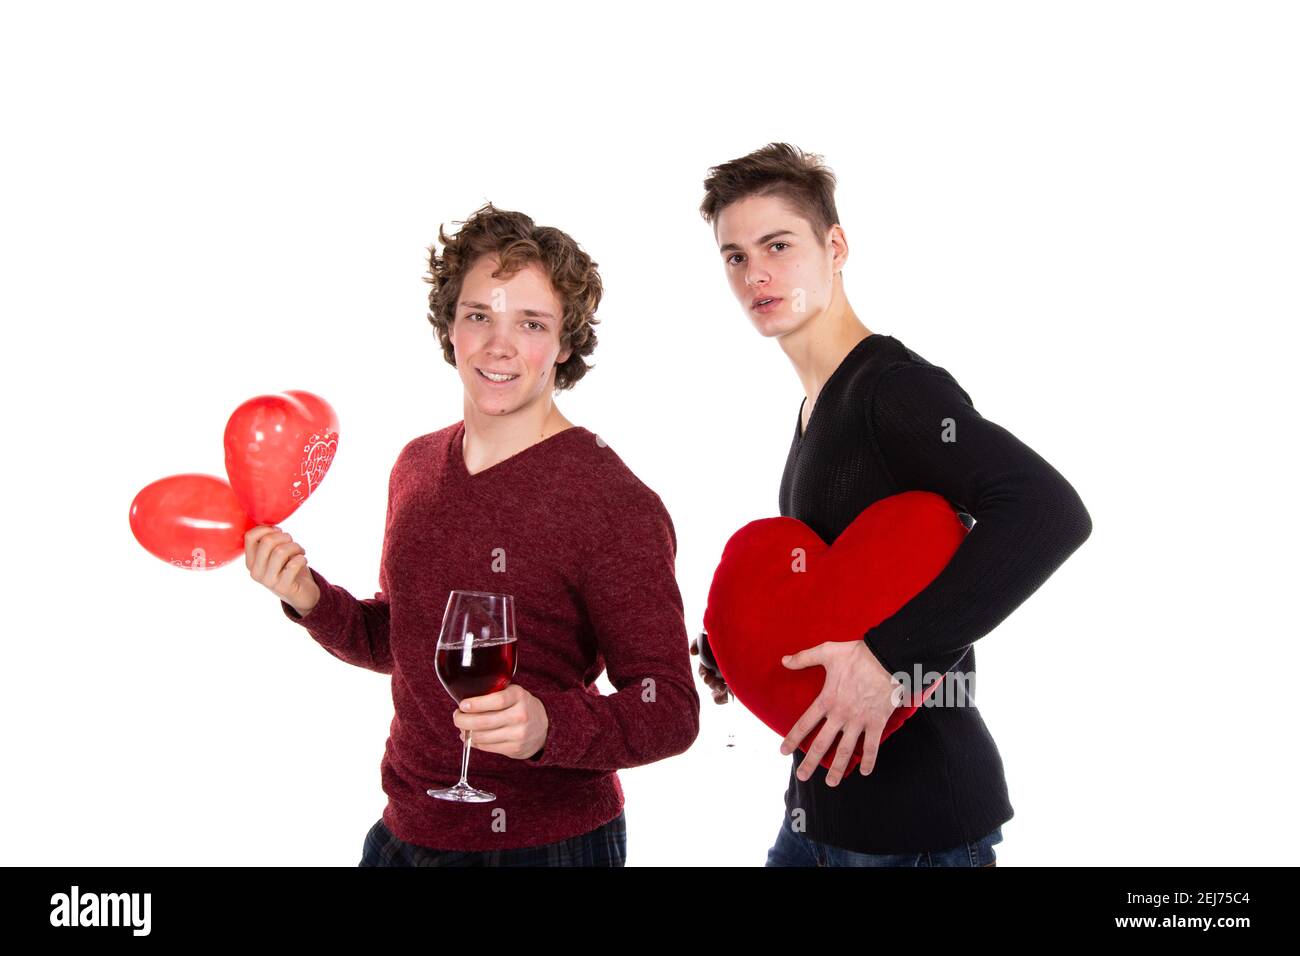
<point>878,419</point>
<point>516,499</point>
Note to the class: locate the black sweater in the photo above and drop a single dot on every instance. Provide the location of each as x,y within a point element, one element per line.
<point>879,427</point>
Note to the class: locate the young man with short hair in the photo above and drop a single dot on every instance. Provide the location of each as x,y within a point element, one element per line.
<point>878,420</point>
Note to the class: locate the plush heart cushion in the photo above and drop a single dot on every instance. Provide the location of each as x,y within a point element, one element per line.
<point>779,589</point>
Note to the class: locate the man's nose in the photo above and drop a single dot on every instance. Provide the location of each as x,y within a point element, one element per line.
<point>500,341</point>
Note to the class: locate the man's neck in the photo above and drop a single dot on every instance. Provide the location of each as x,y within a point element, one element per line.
<point>490,439</point>
<point>817,349</point>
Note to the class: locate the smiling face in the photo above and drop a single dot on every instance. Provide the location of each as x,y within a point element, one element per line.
<point>771,252</point>
<point>509,326</point>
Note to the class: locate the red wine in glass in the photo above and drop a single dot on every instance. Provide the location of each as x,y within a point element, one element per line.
<point>472,670</point>
<point>476,655</point>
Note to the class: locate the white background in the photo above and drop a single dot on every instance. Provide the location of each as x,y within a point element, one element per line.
<point>1087,212</point>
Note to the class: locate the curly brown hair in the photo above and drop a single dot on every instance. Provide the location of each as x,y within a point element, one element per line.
<point>777,169</point>
<point>516,241</point>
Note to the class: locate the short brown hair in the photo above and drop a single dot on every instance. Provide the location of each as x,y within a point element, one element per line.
<point>777,169</point>
<point>516,241</point>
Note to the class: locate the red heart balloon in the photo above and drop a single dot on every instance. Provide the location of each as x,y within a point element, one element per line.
<point>278,449</point>
<point>779,589</point>
<point>192,521</point>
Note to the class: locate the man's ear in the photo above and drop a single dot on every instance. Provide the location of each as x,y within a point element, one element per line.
<point>839,244</point>
<point>563,356</point>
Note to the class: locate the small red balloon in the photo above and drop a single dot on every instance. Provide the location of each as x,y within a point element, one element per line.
<point>192,521</point>
<point>278,449</point>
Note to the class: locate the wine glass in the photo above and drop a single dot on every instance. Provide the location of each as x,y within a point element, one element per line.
<point>475,656</point>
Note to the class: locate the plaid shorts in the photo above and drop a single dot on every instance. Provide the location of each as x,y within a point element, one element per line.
<point>604,846</point>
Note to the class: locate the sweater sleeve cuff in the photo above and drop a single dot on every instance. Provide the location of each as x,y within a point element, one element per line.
<point>323,620</point>
<point>916,673</point>
<point>872,639</point>
<point>566,737</point>
<point>909,669</point>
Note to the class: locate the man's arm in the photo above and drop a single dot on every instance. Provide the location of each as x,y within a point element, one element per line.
<point>630,591</point>
<point>354,631</point>
<point>1028,518</point>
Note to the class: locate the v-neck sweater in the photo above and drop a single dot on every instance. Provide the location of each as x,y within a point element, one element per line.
<point>589,552</point>
<point>884,422</point>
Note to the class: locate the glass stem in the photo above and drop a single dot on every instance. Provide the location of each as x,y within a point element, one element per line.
<point>464,760</point>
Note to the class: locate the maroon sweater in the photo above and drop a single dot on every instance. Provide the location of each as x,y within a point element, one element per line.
<point>588,552</point>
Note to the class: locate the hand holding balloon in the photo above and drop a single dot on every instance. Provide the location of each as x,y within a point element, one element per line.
<point>279,563</point>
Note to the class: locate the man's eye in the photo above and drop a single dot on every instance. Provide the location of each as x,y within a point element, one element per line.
<point>538,324</point>
<point>775,244</point>
<point>479,314</point>
<point>731,257</point>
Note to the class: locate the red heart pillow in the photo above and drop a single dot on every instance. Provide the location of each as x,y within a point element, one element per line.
<point>779,589</point>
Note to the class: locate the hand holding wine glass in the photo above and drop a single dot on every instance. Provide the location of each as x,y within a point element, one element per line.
<point>712,676</point>
<point>475,658</point>
<point>511,722</point>
<point>709,669</point>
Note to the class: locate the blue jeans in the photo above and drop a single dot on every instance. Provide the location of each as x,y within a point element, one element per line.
<point>796,849</point>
